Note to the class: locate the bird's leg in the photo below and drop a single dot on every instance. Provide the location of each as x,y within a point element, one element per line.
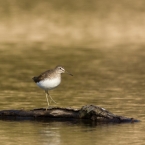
<point>46,92</point>
<point>52,99</point>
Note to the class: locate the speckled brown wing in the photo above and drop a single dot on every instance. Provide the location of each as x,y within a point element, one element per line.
<point>42,76</point>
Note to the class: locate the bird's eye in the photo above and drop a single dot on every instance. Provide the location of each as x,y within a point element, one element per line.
<point>60,68</point>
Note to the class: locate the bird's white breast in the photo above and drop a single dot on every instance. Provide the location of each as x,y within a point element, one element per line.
<point>49,84</point>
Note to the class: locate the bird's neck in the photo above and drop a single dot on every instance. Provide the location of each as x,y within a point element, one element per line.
<point>57,75</point>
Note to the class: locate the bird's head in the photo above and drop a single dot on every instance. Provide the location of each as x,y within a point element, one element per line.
<point>61,69</point>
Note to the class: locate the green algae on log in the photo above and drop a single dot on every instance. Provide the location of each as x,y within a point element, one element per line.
<point>88,112</point>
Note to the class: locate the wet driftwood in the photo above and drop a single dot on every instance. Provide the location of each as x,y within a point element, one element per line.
<point>89,112</point>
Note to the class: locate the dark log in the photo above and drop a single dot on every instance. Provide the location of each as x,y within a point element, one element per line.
<point>88,112</point>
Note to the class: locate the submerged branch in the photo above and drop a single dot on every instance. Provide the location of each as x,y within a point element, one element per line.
<point>89,112</point>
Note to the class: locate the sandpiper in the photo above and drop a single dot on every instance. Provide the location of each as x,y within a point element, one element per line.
<point>49,80</point>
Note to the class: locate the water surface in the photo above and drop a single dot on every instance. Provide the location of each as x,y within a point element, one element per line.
<point>112,78</point>
<point>100,42</point>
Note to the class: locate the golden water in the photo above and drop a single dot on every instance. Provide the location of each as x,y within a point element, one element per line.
<point>100,42</point>
<point>111,78</point>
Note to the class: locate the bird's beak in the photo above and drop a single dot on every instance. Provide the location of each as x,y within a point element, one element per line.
<point>68,73</point>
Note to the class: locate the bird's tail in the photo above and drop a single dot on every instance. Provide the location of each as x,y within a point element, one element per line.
<point>35,79</point>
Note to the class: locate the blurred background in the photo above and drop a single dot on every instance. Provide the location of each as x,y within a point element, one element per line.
<point>72,23</point>
<point>101,42</point>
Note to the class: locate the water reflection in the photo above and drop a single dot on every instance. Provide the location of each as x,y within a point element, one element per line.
<point>68,133</point>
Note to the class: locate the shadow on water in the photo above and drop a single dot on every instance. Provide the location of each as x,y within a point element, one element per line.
<point>66,122</point>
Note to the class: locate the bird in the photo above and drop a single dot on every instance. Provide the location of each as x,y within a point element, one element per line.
<point>49,80</point>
